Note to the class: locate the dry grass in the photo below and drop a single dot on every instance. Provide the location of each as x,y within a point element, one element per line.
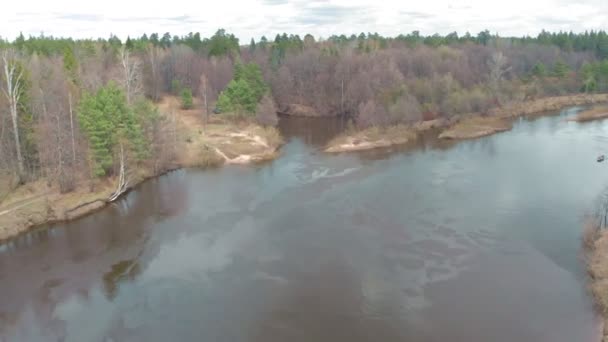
<point>36,203</point>
<point>221,139</point>
<point>598,271</point>
<point>475,127</point>
<point>595,247</point>
<point>591,233</point>
<point>542,105</point>
<point>595,113</point>
<point>370,138</point>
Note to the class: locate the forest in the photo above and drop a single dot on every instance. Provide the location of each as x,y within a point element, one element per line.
<point>75,110</point>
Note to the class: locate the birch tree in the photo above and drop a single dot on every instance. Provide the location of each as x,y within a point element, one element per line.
<point>204,85</point>
<point>12,91</point>
<point>498,68</point>
<point>131,74</point>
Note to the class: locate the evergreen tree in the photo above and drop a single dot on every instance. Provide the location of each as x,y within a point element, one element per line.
<point>238,97</point>
<point>107,122</point>
<point>223,44</point>
<point>560,69</point>
<point>70,64</point>
<point>186,95</point>
<point>245,91</point>
<point>539,70</point>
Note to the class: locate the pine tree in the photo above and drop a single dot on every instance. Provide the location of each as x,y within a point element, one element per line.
<point>108,122</point>
<point>186,95</point>
<point>70,64</point>
<point>245,91</point>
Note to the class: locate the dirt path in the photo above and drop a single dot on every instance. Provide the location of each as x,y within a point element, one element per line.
<point>20,204</point>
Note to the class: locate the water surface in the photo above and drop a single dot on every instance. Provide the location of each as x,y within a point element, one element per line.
<point>474,241</point>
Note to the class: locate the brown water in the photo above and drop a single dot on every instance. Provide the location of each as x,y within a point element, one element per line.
<point>478,241</point>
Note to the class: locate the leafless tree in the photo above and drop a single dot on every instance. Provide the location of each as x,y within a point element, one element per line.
<point>204,90</point>
<point>267,112</point>
<point>498,68</point>
<point>12,91</point>
<point>154,80</point>
<point>131,74</point>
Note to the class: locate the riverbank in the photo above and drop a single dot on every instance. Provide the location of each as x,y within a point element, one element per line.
<point>476,127</point>
<point>468,126</point>
<point>371,138</point>
<point>197,144</point>
<point>376,137</point>
<point>595,245</point>
<point>596,113</point>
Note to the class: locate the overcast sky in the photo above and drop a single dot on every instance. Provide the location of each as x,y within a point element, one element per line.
<point>322,18</point>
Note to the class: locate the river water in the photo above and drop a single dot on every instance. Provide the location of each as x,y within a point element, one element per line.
<point>470,241</point>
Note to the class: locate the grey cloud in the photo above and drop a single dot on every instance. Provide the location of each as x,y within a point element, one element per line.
<point>416,15</point>
<point>327,14</point>
<point>460,7</point>
<point>79,17</point>
<point>187,19</point>
<point>276,2</point>
<point>557,21</point>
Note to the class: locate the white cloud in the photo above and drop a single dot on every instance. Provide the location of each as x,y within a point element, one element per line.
<point>247,19</point>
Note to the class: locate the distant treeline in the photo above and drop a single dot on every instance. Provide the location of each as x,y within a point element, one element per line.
<point>222,43</point>
<point>75,109</point>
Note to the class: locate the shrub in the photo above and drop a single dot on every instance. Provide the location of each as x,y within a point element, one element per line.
<point>186,95</point>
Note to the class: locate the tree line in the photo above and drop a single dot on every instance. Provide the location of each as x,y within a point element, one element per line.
<point>77,110</point>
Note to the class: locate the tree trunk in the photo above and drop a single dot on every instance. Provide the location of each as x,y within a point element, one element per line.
<point>122,181</point>
<point>72,130</point>
<point>13,84</point>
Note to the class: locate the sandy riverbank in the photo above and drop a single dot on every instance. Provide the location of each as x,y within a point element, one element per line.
<point>468,126</point>
<point>596,113</point>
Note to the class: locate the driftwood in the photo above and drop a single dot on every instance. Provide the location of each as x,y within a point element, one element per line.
<point>122,179</point>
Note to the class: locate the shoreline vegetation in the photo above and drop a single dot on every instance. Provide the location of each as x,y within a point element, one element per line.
<point>468,126</point>
<point>198,144</point>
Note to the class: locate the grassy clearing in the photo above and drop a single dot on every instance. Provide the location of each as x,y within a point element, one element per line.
<point>595,113</point>
<point>475,127</point>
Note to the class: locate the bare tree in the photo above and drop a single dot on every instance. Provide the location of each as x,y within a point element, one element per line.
<point>72,129</point>
<point>55,129</point>
<point>153,54</point>
<point>498,68</point>
<point>131,74</point>
<point>123,181</point>
<point>266,113</point>
<point>12,91</point>
<point>204,89</point>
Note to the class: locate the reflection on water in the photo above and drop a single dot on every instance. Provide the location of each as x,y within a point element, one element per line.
<point>470,241</point>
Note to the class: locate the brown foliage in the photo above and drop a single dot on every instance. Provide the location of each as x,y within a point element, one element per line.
<point>266,114</point>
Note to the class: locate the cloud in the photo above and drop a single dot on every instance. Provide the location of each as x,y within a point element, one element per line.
<point>79,17</point>
<point>330,14</point>
<point>415,14</point>
<point>253,18</point>
<point>276,2</point>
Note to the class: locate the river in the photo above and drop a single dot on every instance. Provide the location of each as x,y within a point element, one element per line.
<point>469,241</point>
